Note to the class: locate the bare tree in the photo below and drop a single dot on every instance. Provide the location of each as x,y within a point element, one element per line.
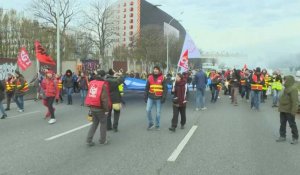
<point>46,11</point>
<point>99,22</point>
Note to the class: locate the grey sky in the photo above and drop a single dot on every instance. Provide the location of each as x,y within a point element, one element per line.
<point>263,29</point>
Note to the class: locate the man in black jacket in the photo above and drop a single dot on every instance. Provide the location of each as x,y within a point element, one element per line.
<point>2,92</point>
<point>114,81</point>
<point>155,94</point>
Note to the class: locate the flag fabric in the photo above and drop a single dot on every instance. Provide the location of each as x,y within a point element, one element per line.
<point>23,59</point>
<point>191,47</point>
<point>41,54</point>
<point>183,64</point>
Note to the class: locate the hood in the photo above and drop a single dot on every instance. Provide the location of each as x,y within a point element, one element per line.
<point>289,81</point>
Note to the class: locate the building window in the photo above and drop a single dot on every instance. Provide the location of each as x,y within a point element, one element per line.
<point>124,22</point>
<point>131,38</point>
<point>124,16</point>
<point>124,10</point>
<point>124,27</point>
<point>124,34</point>
<point>131,9</point>
<point>124,45</point>
<point>131,15</point>
<point>124,39</point>
<point>131,3</point>
<point>124,4</point>
<point>131,21</point>
<point>131,26</point>
<point>131,32</point>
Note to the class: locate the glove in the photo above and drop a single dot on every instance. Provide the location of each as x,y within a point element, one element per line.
<point>163,101</point>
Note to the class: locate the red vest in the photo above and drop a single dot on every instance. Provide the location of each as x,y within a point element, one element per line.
<point>156,87</point>
<point>50,87</point>
<point>94,93</point>
<point>256,85</point>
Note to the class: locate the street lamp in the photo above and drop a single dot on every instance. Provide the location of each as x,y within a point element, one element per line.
<point>57,39</point>
<point>168,43</point>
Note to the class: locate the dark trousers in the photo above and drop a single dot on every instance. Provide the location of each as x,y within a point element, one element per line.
<point>50,101</point>
<point>116,119</point>
<point>176,111</point>
<point>98,117</point>
<point>287,117</point>
<point>9,96</point>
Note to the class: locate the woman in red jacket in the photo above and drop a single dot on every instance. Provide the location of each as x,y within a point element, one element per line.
<point>51,92</point>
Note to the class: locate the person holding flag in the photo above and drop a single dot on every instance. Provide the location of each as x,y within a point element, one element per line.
<point>180,90</point>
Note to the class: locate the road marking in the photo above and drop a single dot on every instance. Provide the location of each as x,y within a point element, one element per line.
<point>182,144</point>
<point>20,115</point>
<point>67,132</point>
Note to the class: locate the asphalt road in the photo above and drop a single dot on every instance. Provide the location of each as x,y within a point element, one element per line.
<point>228,140</point>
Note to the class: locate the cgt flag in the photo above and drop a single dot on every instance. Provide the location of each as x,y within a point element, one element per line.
<point>41,54</point>
<point>23,59</point>
<point>183,64</point>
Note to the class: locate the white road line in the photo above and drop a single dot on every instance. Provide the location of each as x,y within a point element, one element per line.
<point>21,115</point>
<point>67,132</point>
<point>182,144</point>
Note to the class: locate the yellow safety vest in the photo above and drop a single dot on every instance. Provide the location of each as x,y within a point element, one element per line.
<point>277,86</point>
<point>121,89</point>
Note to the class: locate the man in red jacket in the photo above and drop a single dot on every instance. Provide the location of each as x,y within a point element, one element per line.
<point>50,93</point>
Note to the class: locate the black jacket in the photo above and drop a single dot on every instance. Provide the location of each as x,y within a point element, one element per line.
<point>2,91</point>
<point>114,83</point>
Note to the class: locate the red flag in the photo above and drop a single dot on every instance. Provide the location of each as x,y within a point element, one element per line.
<point>23,59</point>
<point>41,54</point>
<point>183,62</point>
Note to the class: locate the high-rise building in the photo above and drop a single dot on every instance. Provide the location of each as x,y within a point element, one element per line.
<point>132,15</point>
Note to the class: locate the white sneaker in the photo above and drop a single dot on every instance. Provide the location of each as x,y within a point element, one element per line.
<point>51,121</point>
<point>21,110</point>
<point>203,108</point>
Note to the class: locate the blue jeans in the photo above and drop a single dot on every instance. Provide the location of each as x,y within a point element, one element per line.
<point>2,108</point>
<point>275,96</point>
<point>255,99</point>
<point>200,98</point>
<point>83,93</point>
<point>150,103</point>
<point>19,101</point>
<point>214,94</point>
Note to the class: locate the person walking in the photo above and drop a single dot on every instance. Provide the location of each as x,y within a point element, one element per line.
<point>235,84</point>
<point>68,83</point>
<point>21,87</point>
<point>51,92</point>
<point>114,80</point>
<point>276,84</point>
<point>83,84</point>
<point>155,94</point>
<point>200,80</point>
<point>99,102</point>
<point>10,90</point>
<point>60,87</point>
<point>179,91</point>
<point>288,106</point>
<point>257,82</point>
<point>2,96</point>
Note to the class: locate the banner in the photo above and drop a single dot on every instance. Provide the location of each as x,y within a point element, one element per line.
<point>23,59</point>
<point>41,54</point>
<point>191,47</point>
<point>183,64</point>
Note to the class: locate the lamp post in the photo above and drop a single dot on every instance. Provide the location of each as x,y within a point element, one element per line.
<point>57,39</point>
<point>168,43</point>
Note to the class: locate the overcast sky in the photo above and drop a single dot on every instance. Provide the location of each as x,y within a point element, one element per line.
<point>262,29</point>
